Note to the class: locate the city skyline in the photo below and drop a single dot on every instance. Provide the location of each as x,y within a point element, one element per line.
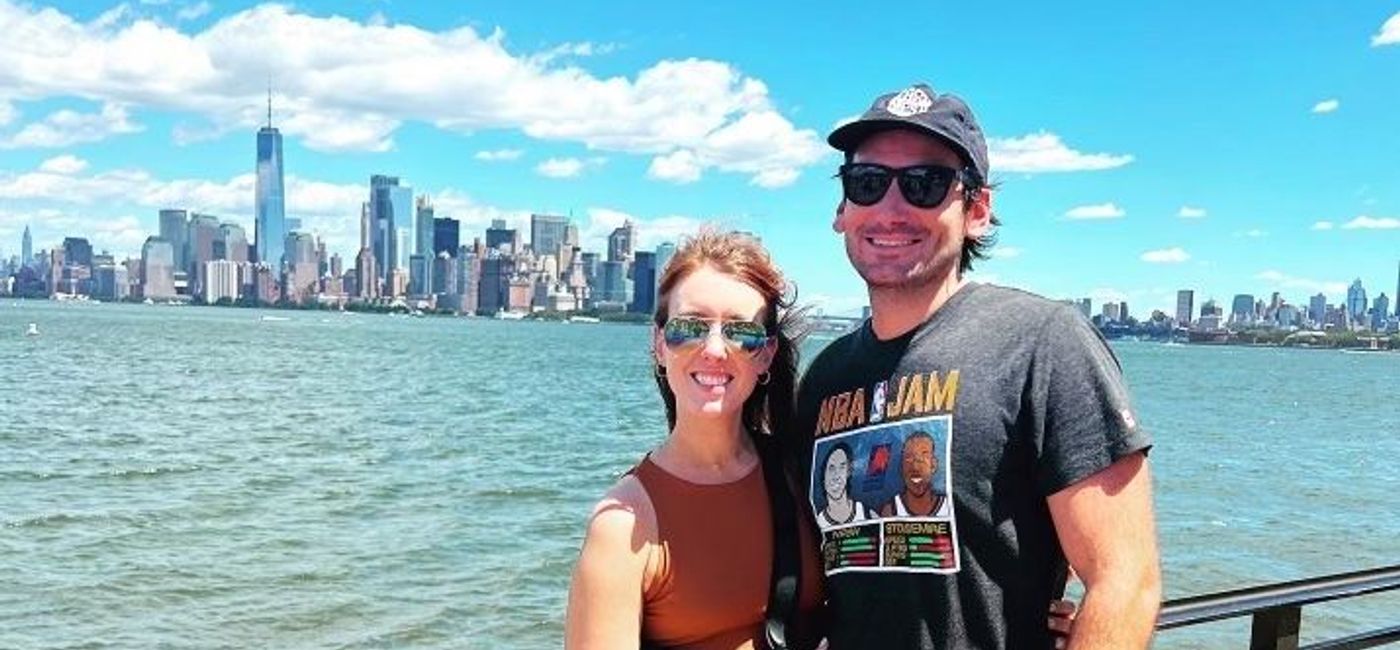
<point>1220,175</point>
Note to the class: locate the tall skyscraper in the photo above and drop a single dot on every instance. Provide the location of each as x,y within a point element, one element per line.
<point>26,248</point>
<point>391,214</point>
<point>174,228</point>
<point>1379,310</point>
<point>1317,309</point>
<point>644,283</point>
<point>499,235</point>
<point>269,207</point>
<point>622,242</point>
<point>235,242</point>
<point>447,236</point>
<point>420,273</point>
<point>1242,309</point>
<point>1356,301</point>
<point>77,251</point>
<point>547,233</point>
<point>1185,304</point>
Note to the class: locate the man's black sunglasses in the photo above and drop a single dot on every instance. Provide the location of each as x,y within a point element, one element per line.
<point>923,186</point>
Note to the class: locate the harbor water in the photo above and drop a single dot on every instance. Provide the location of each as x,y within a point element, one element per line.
<point>186,477</point>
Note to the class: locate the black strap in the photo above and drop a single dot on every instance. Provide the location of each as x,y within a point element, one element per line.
<point>787,565</point>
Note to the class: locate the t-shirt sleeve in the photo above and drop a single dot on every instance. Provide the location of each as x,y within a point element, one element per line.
<point>1085,418</point>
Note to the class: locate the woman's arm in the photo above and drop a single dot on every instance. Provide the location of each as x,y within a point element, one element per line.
<point>605,597</point>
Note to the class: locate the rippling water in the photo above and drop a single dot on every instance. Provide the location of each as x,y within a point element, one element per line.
<point>197,477</point>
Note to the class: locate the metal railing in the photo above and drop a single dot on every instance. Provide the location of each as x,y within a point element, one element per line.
<point>1277,609</point>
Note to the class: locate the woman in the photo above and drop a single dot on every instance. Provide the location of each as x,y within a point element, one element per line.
<point>679,552</point>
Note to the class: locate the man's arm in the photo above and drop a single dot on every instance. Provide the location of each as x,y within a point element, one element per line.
<point>1105,525</point>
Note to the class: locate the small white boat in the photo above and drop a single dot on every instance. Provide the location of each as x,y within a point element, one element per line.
<point>274,319</point>
<point>32,330</point>
<point>584,319</point>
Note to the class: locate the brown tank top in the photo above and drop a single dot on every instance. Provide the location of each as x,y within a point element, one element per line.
<point>716,546</point>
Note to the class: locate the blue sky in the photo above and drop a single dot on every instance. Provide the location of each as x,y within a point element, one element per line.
<point>1139,150</point>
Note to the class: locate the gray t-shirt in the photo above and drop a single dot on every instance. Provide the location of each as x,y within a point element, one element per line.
<point>999,400</point>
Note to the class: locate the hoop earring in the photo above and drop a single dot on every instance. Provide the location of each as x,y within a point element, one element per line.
<point>660,371</point>
<point>764,377</point>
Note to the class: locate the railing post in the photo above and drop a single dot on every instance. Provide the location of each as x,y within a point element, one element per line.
<point>1276,629</point>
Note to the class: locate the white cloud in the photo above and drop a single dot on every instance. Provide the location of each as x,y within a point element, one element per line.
<point>499,155</point>
<point>560,167</point>
<point>1326,106</point>
<point>1099,211</point>
<point>1323,225</point>
<point>68,127</point>
<point>1166,256</point>
<point>65,164</point>
<point>679,166</point>
<point>1372,223</point>
<point>342,84</point>
<point>1253,233</point>
<point>1281,281</point>
<point>1389,34</point>
<point>1005,252</point>
<point>194,11</point>
<point>1188,212</point>
<point>1045,152</point>
<point>8,113</point>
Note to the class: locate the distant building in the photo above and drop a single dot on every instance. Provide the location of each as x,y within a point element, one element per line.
<point>174,228</point>
<point>366,276</point>
<point>499,236</point>
<point>220,281</point>
<point>664,253</point>
<point>419,275</point>
<point>1211,316</point>
<point>1112,312</point>
<point>301,270</point>
<point>157,269</point>
<point>622,243</point>
<point>547,233</point>
<point>270,227</point>
<point>494,287</point>
<point>1356,301</point>
<point>446,236</point>
<point>1380,309</point>
<point>77,251</point>
<point>644,283</point>
<point>1086,307</point>
<point>391,213</point>
<point>1242,309</point>
<point>26,248</point>
<point>1185,303</point>
<point>614,290</point>
<point>1317,309</point>
<point>234,242</point>
<point>111,282</point>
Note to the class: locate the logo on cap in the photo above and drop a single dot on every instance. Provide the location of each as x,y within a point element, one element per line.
<point>909,102</point>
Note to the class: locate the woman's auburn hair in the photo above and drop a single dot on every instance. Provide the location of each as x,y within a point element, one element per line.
<point>772,405</point>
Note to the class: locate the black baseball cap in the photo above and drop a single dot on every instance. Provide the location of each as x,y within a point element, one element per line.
<point>919,108</point>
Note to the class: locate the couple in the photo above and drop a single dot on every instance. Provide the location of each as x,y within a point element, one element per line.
<point>1014,405</point>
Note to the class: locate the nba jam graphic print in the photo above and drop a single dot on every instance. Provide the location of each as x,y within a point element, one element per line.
<point>881,485</point>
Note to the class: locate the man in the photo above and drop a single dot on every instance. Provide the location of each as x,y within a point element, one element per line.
<point>917,465</point>
<point>1048,465</point>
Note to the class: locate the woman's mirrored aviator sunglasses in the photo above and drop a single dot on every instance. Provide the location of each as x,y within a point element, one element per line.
<point>923,186</point>
<point>685,331</point>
